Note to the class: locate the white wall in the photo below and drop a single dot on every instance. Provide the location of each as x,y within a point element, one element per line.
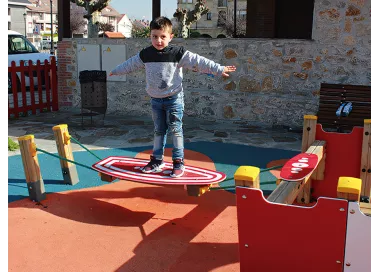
<point>125,27</point>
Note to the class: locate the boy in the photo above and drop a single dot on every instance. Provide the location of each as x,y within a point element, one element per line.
<point>163,66</point>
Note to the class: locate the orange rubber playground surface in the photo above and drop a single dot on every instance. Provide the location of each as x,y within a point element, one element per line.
<point>126,226</point>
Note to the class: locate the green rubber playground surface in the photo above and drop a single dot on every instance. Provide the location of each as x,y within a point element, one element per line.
<point>227,158</point>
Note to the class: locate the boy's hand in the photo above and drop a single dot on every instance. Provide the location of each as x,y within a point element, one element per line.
<point>228,69</point>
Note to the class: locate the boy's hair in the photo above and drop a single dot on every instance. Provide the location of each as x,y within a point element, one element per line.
<point>161,23</point>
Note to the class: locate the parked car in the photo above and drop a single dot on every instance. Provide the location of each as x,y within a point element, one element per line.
<point>20,49</point>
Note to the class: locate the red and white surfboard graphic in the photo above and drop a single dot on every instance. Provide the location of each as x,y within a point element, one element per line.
<point>298,167</point>
<point>130,169</point>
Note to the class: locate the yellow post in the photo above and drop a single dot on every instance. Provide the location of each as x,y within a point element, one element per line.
<point>247,176</point>
<point>308,138</point>
<point>33,176</point>
<point>349,188</point>
<point>62,139</point>
<point>365,166</point>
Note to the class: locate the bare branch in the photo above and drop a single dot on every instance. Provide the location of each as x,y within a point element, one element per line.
<point>186,18</point>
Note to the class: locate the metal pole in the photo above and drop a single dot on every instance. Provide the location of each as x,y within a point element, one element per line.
<point>156,9</point>
<point>51,28</point>
<point>235,9</point>
<point>25,23</point>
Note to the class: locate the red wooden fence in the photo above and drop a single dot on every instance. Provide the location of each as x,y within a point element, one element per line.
<point>23,98</point>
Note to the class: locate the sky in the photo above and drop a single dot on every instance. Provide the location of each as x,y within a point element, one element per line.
<point>139,9</point>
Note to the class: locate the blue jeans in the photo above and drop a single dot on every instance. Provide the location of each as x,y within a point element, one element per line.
<point>167,116</point>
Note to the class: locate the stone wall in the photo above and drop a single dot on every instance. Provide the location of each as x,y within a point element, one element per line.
<point>277,81</point>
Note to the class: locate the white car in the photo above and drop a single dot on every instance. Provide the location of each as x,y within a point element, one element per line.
<point>20,49</point>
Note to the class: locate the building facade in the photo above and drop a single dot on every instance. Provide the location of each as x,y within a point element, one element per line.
<point>220,13</point>
<point>124,26</point>
<point>17,11</point>
<point>32,18</point>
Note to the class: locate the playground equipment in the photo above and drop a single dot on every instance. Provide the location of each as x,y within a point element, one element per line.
<point>196,180</point>
<point>276,234</point>
<point>31,165</point>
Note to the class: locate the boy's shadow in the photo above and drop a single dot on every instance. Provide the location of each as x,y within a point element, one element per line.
<point>171,247</point>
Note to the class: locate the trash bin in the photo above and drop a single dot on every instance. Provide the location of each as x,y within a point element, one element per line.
<point>93,85</point>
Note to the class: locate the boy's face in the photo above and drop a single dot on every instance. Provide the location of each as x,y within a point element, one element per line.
<point>160,38</point>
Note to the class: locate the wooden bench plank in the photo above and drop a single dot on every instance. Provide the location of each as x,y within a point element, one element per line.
<point>344,99</point>
<point>346,87</point>
<point>344,121</point>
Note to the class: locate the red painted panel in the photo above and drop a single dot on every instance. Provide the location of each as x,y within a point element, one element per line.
<point>32,93</point>
<point>298,167</point>
<point>343,158</point>
<point>47,69</point>
<point>130,169</point>
<point>278,237</point>
<point>54,85</point>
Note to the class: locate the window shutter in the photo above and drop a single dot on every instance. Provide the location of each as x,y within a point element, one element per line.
<point>294,19</point>
<point>261,18</point>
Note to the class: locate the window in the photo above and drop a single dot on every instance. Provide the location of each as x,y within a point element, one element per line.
<point>9,11</point>
<point>208,16</point>
<point>292,19</point>
<point>222,17</point>
<point>20,45</point>
<point>9,26</point>
<point>188,1</point>
<point>222,3</point>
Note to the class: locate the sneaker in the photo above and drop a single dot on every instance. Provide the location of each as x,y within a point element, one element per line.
<point>154,166</point>
<point>178,168</point>
<point>339,110</point>
<point>347,109</point>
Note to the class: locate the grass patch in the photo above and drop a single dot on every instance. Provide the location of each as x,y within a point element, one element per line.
<point>12,146</point>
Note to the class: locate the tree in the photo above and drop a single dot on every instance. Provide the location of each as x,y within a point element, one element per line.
<point>93,9</point>
<point>140,32</point>
<point>227,23</point>
<point>103,27</point>
<point>77,22</point>
<point>187,18</point>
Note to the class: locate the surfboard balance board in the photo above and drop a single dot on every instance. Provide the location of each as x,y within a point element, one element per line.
<point>126,168</point>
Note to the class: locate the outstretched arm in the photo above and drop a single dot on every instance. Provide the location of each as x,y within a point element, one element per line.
<point>130,65</point>
<point>191,60</point>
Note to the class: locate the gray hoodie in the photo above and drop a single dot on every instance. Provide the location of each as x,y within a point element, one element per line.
<point>163,68</point>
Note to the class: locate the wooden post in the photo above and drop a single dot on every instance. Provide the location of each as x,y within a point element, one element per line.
<point>197,190</point>
<point>247,176</point>
<point>349,188</point>
<point>62,139</point>
<point>64,19</point>
<point>365,166</point>
<point>106,178</point>
<point>156,9</point>
<point>308,138</point>
<point>33,176</point>
<point>53,84</point>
